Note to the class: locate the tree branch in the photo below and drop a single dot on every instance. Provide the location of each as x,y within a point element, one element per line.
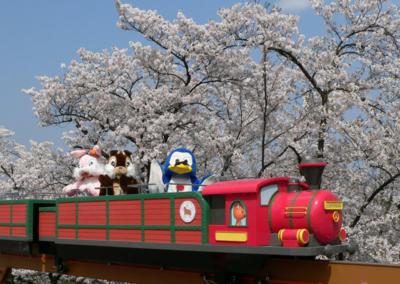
<point>371,198</point>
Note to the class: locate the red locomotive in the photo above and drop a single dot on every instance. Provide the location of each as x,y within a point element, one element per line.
<point>253,217</point>
<point>277,212</point>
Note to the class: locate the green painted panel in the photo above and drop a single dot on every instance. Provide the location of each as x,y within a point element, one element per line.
<point>132,227</point>
<point>142,197</point>
<point>172,217</point>
<point>11,217</point>
<point>132,197</point>
<point>107,219</point>
<point>76,219</point>
<point>47,209</point>
<point>12,224</point>
<point>291,211</point>
<point>57,222</point>
<point>33,201</point>
<point>271,203</point>
<point>309,211</point>
<point>142,218</point>
<point>205,220</point>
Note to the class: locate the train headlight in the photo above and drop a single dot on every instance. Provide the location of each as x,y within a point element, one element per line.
<point>335,216</point>
<point>342,234</point>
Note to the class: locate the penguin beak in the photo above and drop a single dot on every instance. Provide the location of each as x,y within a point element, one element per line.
<point>180,169</point>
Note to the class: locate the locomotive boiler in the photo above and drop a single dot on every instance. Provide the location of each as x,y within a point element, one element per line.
<point>305,210</point>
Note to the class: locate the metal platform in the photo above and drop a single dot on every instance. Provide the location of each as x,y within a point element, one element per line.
<point>196,258</point>
<point>273,271</point>
<point>207,248</point>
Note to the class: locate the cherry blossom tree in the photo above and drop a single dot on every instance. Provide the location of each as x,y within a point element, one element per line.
<point>38,172</point>
<point>252,97</point>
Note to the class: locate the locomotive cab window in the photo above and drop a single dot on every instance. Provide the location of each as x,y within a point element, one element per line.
<point>217,208</point>
<point>238,214</point>
<point>267,193</point>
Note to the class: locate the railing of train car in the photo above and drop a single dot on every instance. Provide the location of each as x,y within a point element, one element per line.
<point>28,195</point>
<point>51,195</point>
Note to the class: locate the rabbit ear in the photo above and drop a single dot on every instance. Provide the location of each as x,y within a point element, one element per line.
<point>95,151</point>
<point>78,153</point>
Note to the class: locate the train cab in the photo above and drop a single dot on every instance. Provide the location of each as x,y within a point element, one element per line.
<point>239,210</point>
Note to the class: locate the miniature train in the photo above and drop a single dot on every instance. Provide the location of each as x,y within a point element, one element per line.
<point>265,217</point>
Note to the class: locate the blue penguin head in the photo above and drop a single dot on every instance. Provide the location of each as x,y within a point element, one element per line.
<point>180,162</point>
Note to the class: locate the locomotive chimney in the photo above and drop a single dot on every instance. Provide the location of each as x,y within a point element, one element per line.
<point>312,170</point>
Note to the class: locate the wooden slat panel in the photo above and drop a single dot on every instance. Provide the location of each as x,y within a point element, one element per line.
<point>91,234</point>
<point>125,212</point>
<point>47,224</point>
<point>157,212</point>
<point>5,213</point>
<point>66,213</point>
<point>19,213</point>
<point>68,234</point>
<point>188,237</point>
<point>5,230</point>
<point>125,235</point>
<point>92,213</point>
<point>157,236</point>
<point>18,231</point>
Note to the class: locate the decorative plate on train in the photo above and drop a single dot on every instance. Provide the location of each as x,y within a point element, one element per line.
<point>187,211</point>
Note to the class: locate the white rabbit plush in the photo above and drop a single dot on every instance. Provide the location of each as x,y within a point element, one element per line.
<point>87,173</point>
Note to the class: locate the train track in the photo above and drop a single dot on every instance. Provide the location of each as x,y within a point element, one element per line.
<point>276,271</point>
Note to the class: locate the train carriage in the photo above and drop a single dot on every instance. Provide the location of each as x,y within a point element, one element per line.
<point>229,223</point>
<point>19,224</point>
<point>173,218</point>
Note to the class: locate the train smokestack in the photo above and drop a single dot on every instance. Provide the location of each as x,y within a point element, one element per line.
<point>312,170</point>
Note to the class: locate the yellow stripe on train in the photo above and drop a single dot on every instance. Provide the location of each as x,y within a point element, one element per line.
<point>333,205</point>
<point>231,236</point>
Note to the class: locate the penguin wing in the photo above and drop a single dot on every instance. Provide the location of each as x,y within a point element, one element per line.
<point>156,183</point>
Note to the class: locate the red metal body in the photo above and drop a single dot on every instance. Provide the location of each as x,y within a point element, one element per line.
<point>305,209</point>
<point>256,231</point>
<point>301,209</point>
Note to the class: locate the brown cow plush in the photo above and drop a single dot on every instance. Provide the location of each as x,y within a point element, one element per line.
<point>120,173</point>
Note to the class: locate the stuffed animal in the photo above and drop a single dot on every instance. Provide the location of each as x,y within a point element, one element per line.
<point>120,174</point>
<point>178,174</point>
<point>87,173</point>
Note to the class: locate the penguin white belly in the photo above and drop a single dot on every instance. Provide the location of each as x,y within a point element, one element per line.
<point>180,184</point>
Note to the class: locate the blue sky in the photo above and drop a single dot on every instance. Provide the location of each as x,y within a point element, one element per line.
<point>37,36</point>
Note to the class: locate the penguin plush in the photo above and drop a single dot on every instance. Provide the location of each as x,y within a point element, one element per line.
<point>177,174</point>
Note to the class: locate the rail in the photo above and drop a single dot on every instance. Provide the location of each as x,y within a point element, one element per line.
<point>276,271</point>
<point>284,271</point>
